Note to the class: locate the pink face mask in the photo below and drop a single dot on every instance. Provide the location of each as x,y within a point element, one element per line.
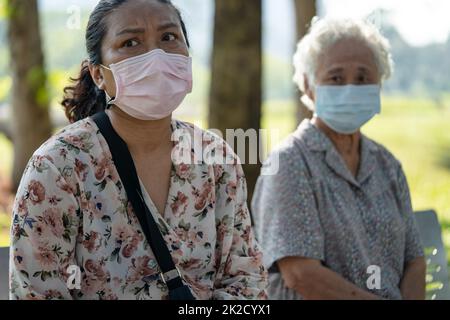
<point>152,86</point>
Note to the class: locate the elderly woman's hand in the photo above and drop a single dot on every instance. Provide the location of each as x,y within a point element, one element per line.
<point>313,281</point>
<point>413,282</point>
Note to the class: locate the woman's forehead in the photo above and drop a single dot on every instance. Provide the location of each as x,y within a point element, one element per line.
<point>347,52</point>
<point>146,14</point>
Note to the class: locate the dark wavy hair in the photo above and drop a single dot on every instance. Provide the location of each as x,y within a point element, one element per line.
<point>84,98</point>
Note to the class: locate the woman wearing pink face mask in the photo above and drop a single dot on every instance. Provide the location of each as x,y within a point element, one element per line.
<point>79,230</point>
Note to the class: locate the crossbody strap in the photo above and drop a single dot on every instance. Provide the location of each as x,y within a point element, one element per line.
<point>124,163</point>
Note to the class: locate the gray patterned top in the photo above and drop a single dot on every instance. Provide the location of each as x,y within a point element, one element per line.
<point>315,208</point>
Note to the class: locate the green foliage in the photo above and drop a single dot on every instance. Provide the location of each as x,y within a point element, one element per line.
<point>4,221</point>
<point>58,79</point>
<point>416,131</point>
<point>3,59</point>
<point>278,82</point>
<point>3,10</point>
<point>6,152</point>
<point>36,78</point>
<point>4,230</point>
<point>5,88</point>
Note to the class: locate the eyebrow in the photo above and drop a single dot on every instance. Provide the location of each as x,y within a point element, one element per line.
<point>363,69</point>
<point>335,70</point>
<point>164,26</point>
<point>168,25</point>
<point>130,30</point>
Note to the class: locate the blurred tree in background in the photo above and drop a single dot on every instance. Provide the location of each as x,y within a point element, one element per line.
<point>236,67</point>
<point>31,124</point>
<point>305,11</point>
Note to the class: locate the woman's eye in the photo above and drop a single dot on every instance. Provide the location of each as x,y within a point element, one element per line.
<point>362,79</point>
<point>336,79</point>
<point>130,43</point>
<point>169,37</point>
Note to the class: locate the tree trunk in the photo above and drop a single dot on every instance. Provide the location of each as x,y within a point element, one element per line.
<point>236,87</point>
<point>305,11</point>
<point>31,124</point>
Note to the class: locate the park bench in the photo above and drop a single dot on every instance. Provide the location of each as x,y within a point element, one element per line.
<point>437,270</point>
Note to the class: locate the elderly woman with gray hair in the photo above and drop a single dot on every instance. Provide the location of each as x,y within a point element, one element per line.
<point>336,220</point>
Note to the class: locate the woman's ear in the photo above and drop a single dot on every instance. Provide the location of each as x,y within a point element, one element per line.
<point>309,90</point>
<point>97,76</point>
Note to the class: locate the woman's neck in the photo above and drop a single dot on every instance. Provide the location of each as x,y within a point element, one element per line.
<point>345,143</point>
<point>141,137</point>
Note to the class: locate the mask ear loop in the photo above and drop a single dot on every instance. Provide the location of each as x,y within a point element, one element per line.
<point>108,103</point>
<point>103,66</point>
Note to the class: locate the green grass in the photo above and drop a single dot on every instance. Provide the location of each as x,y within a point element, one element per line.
<point>420,139</point>
<point>418,134</point>
<point>6,155</point>
<point>4,230</point>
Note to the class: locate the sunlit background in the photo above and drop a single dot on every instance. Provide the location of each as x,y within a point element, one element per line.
<point>415,121</point>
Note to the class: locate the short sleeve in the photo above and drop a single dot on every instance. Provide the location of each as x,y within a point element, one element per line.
<point>285,211</point>
<point>413,243</point>
<point>43,234</point>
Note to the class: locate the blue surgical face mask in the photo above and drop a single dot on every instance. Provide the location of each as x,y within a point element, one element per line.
<point>345,109</point>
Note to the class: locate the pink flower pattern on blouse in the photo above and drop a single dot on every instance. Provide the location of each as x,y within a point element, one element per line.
<point>71,210</point>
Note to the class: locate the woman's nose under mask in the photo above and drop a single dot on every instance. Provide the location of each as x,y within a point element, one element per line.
<point>151,86</point>
<point>345,109</point>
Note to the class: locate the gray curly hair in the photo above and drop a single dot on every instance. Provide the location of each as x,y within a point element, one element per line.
<point>326,32</point>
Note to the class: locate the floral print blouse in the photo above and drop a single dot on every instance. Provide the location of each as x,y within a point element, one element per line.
<point>71,211</point>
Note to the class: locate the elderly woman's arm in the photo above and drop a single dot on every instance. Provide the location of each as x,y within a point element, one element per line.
<point>315,282</point>
<point>413,282</point>
<point>241,273</point>
<point>43,235</point>
<point>412,285</point>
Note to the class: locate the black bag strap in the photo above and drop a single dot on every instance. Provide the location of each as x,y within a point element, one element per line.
<point>124,163</point>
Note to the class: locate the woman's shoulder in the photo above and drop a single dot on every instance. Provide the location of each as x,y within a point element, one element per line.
<point>383,155</point>
<point>297,145</point>
<point>69,142</point>
<point>289,154</point>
